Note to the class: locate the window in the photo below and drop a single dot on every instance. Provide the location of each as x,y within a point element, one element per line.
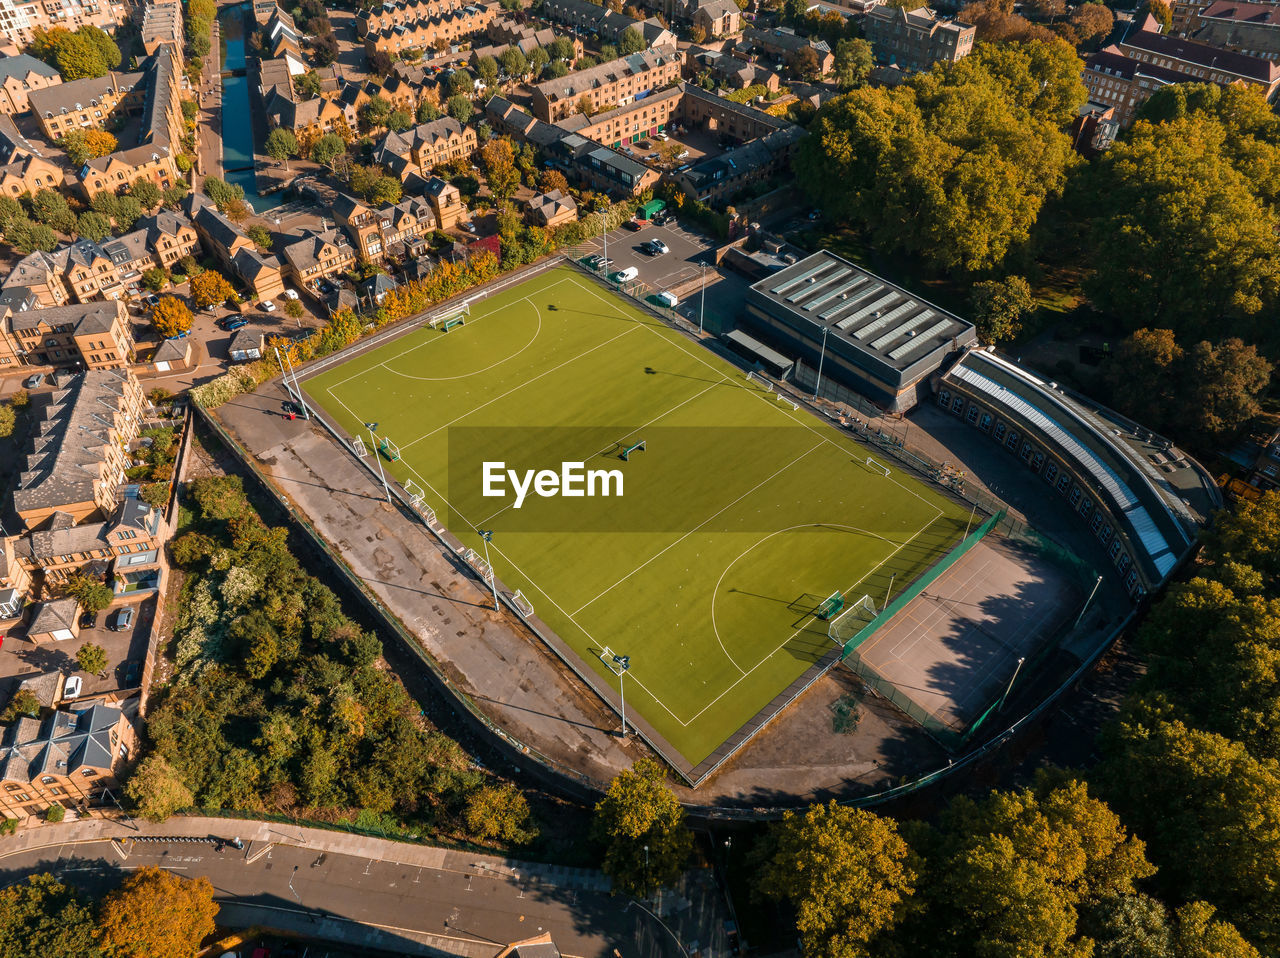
<point>1123,562</point>
<point>1105,533</point>
<point>1011,443</point>
<point>998,432</point>
<point>985,424</point>
<point>1051,471</point>
<point>1075,495</point>
<point>957,405</point>
<point>1096,523</point>
<point>972,415</point>
<point>1114,552</point>
<point>1027,451</point>
<point>1131,583</point>
<point>1064,483</point>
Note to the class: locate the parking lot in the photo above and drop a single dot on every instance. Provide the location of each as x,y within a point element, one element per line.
<point>678,267</point>
<point>126,651</point>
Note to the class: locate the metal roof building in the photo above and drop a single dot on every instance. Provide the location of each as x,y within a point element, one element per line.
<point>869,335</point>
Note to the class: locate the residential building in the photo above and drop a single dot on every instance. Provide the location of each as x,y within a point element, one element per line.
<point>246,345</point>
<point>162,23</point>
<point>628,124</point>
<point>74,462</point>
<point>260,274</point>
<point>69,758</point>
<point>598,167</point>
<point>83,104</point>
<point>916,39</point>
<point>1125,74</point>
<point>727,70</point>
<point>427,145</point>
<point>431,32</point>
<point>19,75</point>
<point>446,203</point>
<point>55,620</point>
<point>719,179</point>
<point>739,121</point>
<point>616,83</point>
<point>127,539</point>
<point>391,14</point>
<point>1250,28</point>
<point>15,580</point>
<point>309,119</point>
<point>510,120</point>
<point>316,256</point>
<point>20,19</point>
<point>716,18</point>
<point>34,282</point>
<point>23,167</point>
<point>552,209</point>
<point>390,230</point>
<point>169,237</point>
<point>82,335</point>
<point>783,45</point>
<point>872,337</point>
<point>606,24</point>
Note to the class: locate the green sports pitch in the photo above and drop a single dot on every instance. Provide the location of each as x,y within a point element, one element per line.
<point>740,516</point>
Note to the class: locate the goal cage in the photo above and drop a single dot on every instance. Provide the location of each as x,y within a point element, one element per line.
<point>358,447</point>
<point>417,499</point>
<point>855,617</point>
<point>448,318</point>
<point>759,380</point>
<point>389,449</point>
<point>877,466</point>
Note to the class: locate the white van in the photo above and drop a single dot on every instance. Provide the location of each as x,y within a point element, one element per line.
<point>668,300</point>
<point>626,275</point>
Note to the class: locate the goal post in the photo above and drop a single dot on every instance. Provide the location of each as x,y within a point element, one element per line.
<point>523,605</point>
<point>855,617</point>
<point>359,448</point>
<point>878,467</point>
<point>759,380</point>
<point>389,449</point>
<point>831,605</point>
<point>446,319</point>
<point>636,447</point>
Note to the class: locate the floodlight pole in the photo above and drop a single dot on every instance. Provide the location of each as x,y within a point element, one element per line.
<point>1087,603</point>
<point>821,359</point>
<point>623,662</point>
<point>972,511</point>
<point>1012,679</point>
<point>302,403</point>
<point>378,458</point>
<point>889,591</point>
<point>486,535</point>
<point>702,304</point>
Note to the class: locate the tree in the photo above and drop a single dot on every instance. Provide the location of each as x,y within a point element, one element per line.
<point>223,194</point>
<point>85,53</point>
<point>324,49</point>
<point>1011,874</point>
<point>210,288</point>
<point>501,812</point>
<point>805,64</point>
<point>171,317</point>
<point>955,165</point>
<point>1158,9</point>
<point>1199,936</point>
<point>145,192</point>
<point>487,70</point>
<point>853,63</point>
<point>307,84</point>
<point>428,111</point>
<point>281,144</point>
<point>1227,378</point>
<point>461,83</point>
<point>1092,20</point>
<point>43,918</point>
<point>81,147</point>
<point>50,208</point>
<point>1130,926</point>
<point>325,149</point>
<point>555,70</point>
<point>1210,813</point>
<point>460,108</point>
<point>7,421</point>
<point>514,63</point>
<point>155,279</point>
<point>561,48</point>
<point>127,212</point>
<point>639,810</point>
<point>156,789</point>
<point>537,59</point>
<point>844,871</point>
<point>497,161</point>
<point>1180,195</point>
<point>27,237</point>
<point>24,702</point>
<point>586,105</point>
<point>553,180</point>
<point>631,41</point>
<point>91,593</point>
<point>92,658</point>
<point>154,912</point>
<point>293,309</point>
<point>261,237</point>
<point>999,306</point>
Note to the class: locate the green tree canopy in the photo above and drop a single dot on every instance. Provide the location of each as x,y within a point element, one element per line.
<point>50,208</point>
<point>155,912</point>
<point>846,873</point>
<point>157,790</point>
<point>501,812</point>
<point>43,918</point>
<point>640,812</point>
<point>1000,306</point>
<point>281,144</point>
<point>460,108</point>
<point>92,658</point>
<point>92,594</point>
<point>327,148</point>
<point>853,63</point>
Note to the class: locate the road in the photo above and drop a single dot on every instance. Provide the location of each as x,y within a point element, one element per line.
<point>433,902</point>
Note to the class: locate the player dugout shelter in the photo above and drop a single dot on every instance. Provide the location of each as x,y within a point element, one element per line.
<point>1141,498</point>
<point>880,340</point>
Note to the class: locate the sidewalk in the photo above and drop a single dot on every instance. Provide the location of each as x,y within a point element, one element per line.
<point>259,836</point>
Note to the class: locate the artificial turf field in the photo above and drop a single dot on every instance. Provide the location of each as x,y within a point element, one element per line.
<point>740,516</point>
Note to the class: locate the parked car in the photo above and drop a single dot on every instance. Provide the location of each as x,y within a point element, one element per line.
<point>267,306</point>
<point>682,154</point>
<point>121,619</point>
<point>326,288</point>
<point>151,299</point>
<point>33,382</point>
<point>656,247</point>
<point>134,675</point>
<point>660,136</point>
<point>88,620</point>
<point>72,687</point>
<point>232,323</point>
<point>625,275</point>
<point>595,262</point>
<point>290,294</point>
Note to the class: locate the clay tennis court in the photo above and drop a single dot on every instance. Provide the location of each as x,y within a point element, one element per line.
<point>954,649</point>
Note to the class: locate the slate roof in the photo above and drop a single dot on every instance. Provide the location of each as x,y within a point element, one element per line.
<point>60,745</point>
<point>1148,39</point>
<point>54,615</point>
<point>23,66</point>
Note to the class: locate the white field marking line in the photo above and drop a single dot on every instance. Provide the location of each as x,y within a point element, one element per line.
<point>804,623</point>
<point>427,339</point>
<point>662,415</point>
<point>675,543</point>
<point>804,419</point>
<point>738,558</point>
<point>442,379</point>
<point>517,388</point>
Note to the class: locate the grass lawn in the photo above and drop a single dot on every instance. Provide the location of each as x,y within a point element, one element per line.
<point>737,520</point>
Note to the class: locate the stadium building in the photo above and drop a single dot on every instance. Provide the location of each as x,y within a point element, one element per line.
<point>1141,497</point>
<point>869,336</point>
